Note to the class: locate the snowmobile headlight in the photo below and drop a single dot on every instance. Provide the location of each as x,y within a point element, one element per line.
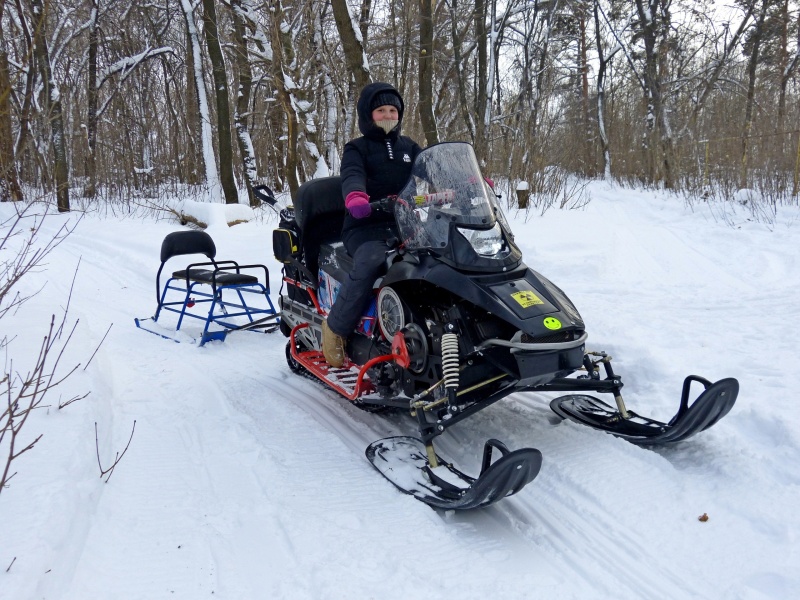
<point>486,242</point>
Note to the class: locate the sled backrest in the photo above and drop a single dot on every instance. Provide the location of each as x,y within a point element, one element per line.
<point>319,213</point>
<point>179,243</point>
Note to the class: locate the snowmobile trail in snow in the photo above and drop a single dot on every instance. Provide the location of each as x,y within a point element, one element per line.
<point>245,480</point>
<point>560,516</point>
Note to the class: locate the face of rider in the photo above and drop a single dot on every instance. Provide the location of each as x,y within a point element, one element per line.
<point>386,117</point>
<point>387,112</point>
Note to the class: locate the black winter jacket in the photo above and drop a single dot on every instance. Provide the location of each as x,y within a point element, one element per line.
<point>376,163</point>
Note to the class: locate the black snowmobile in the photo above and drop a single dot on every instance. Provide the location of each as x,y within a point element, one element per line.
<point>458,322</point>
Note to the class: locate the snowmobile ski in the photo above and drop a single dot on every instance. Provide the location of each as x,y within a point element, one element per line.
<point>713,403</point>
<point>403,461</point>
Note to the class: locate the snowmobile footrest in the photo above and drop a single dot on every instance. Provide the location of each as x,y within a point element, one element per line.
<point>711,405</point>
<point>403,461</point>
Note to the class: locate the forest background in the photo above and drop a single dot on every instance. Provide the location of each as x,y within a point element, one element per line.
<point>109,100</point>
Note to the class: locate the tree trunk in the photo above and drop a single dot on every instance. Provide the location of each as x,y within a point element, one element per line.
<point>282,55</point>
<point>583,67</point>
<point>196,76</point>
<point>192,156</point>
<point>223,107</point>
<point>752,63</point>
<point>653,23</point>
<point>458,60</point>
<point>352,43</point>
<point>426,72</point>
<point>244,77</point>
<point>90,165</point>
<point>9,179</point>
<point>481,84</point>
<point>605,146</point>
<point>53,104</point>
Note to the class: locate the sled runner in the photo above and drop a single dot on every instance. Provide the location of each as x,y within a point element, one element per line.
<point>220,286</point>
<point>458,322</point>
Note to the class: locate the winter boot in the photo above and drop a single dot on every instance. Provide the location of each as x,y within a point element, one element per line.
<point>332,346</point>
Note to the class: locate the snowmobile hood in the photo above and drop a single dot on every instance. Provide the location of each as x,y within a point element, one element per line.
<point>519,296</point>
<point>365,123</point>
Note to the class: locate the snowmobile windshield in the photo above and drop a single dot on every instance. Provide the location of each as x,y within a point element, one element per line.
<point>445,193</point>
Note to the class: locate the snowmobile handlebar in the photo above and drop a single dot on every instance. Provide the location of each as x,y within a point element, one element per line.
<point>387,204</point>
<point>384,204</point>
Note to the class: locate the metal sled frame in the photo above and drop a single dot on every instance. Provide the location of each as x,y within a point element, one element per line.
<point>227,282</point>
<point>221,309</point>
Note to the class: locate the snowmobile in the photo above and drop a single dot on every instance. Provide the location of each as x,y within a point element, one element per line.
<point>458,322</point>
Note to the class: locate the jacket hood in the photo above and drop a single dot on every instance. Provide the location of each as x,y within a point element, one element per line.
<point>365,123</point>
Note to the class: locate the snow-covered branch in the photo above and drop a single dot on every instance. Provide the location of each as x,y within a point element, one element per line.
<point>128,64</point>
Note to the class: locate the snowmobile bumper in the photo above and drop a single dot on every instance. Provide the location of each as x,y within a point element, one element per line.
<point>539,363</point>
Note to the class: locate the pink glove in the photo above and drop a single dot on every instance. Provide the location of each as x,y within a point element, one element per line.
<point>358,204</point>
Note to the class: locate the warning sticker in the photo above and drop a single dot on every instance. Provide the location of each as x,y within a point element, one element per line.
<point>527,299</point>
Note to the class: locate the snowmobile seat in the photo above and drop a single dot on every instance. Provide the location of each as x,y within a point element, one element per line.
<point>229,282</point>
<point>319,212</point>
<point>334,260</point>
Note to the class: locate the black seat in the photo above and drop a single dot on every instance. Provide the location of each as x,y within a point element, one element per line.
<point>224,276</point>
<point>319,212</point>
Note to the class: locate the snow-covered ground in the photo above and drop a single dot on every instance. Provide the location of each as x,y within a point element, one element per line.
<point>243,480</point>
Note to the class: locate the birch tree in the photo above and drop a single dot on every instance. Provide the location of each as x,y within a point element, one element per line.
<point>196,76</point>
<point>604,58</point>
<point>244,84</point>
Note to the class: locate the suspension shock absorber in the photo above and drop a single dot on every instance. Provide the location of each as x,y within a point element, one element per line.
<point>450,364</point>
<point>450,370</point>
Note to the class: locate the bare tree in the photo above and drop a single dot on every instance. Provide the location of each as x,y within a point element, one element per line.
<point>52,99</point>
<point>9,179</point>
<point>204,113</point>
<point>244,75</point>
<point>426,71</point>
<point>220,77</point>
<point>24,391</point>
<point>653,26</point>
<point>754,42</point>
<point>352,41</point>
<point>604,58</point>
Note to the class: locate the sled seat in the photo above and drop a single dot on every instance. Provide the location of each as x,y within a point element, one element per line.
<point>187,291</point>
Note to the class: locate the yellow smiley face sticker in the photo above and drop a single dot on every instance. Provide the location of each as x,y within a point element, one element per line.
<point>527,299</point>
<point>552,323</point>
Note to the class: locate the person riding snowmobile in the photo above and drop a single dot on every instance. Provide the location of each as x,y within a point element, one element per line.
<point>374,166</point>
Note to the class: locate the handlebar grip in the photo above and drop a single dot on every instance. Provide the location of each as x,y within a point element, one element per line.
<point>384,204</point>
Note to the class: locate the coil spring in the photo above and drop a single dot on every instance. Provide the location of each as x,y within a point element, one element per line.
<point>450,366</point>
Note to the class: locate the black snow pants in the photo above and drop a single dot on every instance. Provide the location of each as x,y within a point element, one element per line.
<point>368,247</point>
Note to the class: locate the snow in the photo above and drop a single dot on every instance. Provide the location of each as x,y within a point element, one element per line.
<point>243,480</point>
